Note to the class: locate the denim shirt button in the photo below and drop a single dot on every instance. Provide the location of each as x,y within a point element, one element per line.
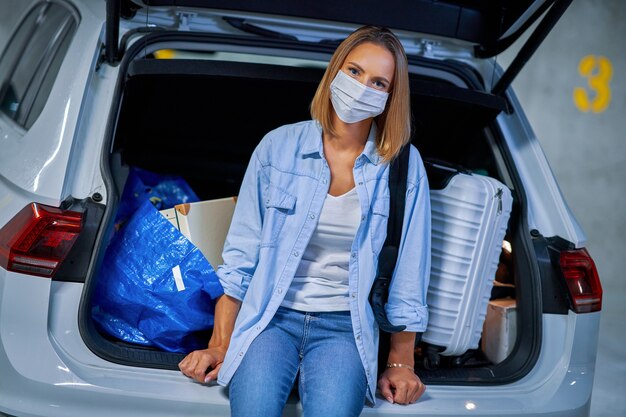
<point>363,218</point>
<point>324,181</point>
<point>296,254</point>
<point>311,216</point>
<point>279,291</point>
<point>360,182</point>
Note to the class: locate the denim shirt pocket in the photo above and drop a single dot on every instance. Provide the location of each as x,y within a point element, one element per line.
<point>378,226</point>
<point>278,205</point>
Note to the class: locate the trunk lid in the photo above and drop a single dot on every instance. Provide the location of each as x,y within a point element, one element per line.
<point>483,28</point>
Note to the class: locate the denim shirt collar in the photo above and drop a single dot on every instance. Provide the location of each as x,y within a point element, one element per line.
<point>314,144</point>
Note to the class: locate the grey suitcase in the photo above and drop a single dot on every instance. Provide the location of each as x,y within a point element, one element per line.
<point>469,219</point>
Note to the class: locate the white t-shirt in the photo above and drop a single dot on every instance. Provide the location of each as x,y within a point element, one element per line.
<point>321,280</point>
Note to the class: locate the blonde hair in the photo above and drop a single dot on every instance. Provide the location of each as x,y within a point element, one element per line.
<point>394,124</point>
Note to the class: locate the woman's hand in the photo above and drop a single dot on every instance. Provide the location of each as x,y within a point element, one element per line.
<point>197,363</point>
<point>400,386</point>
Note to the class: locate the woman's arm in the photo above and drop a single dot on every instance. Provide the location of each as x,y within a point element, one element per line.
<point>240,254</point>
<point>241,248</point>
<point>197,363</point>
<point>399,384</point>
<point>406,304</point>
<point>402,348</point>
<point>407,292</point>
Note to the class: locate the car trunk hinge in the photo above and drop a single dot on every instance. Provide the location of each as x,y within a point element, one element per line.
<point>528,49</point>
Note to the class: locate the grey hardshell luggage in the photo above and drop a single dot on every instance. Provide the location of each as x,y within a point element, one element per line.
<point>470,213</point>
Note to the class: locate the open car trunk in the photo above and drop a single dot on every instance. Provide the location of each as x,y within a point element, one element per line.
<point>202,118</point>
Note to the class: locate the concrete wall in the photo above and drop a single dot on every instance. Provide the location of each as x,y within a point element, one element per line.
<point>587,152</point>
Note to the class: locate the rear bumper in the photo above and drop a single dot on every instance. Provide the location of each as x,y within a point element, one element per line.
<point>48,371</point>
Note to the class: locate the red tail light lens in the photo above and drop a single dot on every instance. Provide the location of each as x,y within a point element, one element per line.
<point>582,280</point>
<point>38,238</point>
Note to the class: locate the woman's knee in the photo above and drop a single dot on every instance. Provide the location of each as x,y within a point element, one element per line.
<point>333,385</point>
<point>262,382</point>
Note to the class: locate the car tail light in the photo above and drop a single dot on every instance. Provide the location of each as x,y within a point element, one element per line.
<point>38,238</point>
<point>582,280</point>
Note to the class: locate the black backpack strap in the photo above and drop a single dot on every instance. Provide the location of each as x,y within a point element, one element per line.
<point>389,253</point>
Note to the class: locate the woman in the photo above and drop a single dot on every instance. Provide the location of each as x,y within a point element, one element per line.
<point>302,251</point>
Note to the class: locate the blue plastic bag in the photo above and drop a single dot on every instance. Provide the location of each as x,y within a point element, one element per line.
<point>164,191</point>
<point>155,288</point>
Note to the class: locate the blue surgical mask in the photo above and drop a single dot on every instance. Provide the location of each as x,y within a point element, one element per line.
<point>354,101</point>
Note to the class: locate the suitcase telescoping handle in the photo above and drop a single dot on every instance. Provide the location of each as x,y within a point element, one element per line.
<point>440,163</point>
<point>441,172</point>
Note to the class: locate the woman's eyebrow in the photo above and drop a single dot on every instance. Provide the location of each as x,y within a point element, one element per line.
<point>379,78</point>
<point>356,65</point>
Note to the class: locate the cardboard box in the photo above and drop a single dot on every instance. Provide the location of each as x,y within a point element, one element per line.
<point>205,224</point>
<point>499,330</point>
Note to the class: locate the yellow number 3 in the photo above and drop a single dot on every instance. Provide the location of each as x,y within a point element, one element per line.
<point>598,82</point>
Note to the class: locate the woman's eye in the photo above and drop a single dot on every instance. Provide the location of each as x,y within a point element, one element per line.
<point>379,84</point>
<point>353,71</point>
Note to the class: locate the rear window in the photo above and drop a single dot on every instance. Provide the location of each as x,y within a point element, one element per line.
<point>31,61</point>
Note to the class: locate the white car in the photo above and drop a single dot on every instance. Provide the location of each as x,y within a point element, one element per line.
<point>85,92</point>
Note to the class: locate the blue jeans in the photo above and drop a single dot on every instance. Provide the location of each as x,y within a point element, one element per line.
<point>320,348</point>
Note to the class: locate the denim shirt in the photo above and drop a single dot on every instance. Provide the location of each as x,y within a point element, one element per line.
<point>280,200</point>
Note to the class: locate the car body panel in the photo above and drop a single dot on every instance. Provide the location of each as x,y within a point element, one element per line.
<point>547,210</point>
<point>474,21</point>
<point>36,159</point>
<point>77,379</point>
<point>83,176</point>
<point>304,30</point>
<point>492,27</point>
<point>46,368</point>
